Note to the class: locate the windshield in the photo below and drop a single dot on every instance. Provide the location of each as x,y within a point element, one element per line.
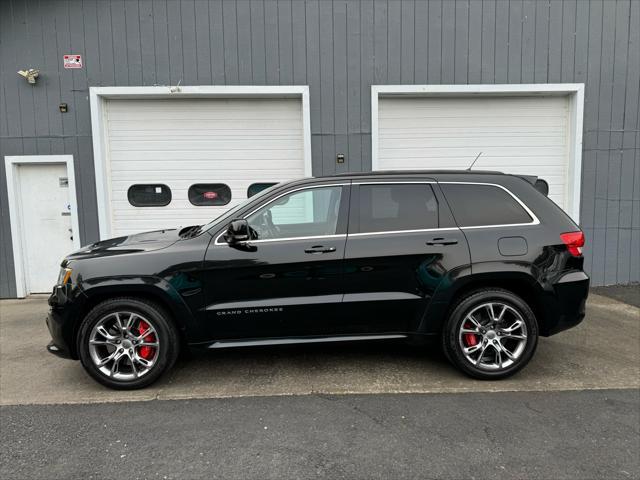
<point>230,213</point>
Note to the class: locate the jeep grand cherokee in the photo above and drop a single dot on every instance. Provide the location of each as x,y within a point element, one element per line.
<point>481,260</point>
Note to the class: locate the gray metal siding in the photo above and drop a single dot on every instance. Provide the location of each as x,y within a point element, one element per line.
<point>339,48</point>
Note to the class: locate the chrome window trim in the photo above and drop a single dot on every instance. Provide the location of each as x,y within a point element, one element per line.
<point>395,182</point>
<point>395,232</point>
<point>268,240</point>
<point>535,220</point>
<point>306,187</point>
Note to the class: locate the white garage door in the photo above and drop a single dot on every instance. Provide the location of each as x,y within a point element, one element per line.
<point>522,135</point>
<point>158,149</point>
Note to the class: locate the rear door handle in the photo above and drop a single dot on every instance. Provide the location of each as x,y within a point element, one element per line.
<point>442,241</point>
<point>319,249</point>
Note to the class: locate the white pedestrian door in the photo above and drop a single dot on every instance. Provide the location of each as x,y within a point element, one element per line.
<point>45,215</point>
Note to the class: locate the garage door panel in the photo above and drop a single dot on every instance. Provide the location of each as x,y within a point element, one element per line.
<point>196,156</point>
<point>182,142</point>
<point>520,135</point>
<point>450,105</point>
<point>475,141</point>
<point>454,122</point>
<point>180,145</point>
<point>142,168</point>
<point>221,125</point>
<point>226,106</point>
<point>470,151</point>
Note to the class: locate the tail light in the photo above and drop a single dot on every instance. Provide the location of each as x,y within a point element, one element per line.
<point>574,242</point>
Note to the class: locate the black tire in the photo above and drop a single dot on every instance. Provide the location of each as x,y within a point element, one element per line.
<point>451,341</point>
<point>167,337</point>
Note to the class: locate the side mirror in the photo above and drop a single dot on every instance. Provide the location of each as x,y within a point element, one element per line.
<point>237,231</point>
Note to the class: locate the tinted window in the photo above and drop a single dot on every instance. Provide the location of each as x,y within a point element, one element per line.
<point>476,205</point>
<point>209,194</point>
<point>305,213</point>
<point>149,195</point>
<point>257,188</point>
<point>391,207</point>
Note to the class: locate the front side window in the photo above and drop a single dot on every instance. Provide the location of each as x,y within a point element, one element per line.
<point>149,195</point>
<point>209,194</point>
<point>397,207</point>
<point>483,205</point>
<point>305,213</point>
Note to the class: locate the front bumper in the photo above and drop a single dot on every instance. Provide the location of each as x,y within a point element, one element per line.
<point>61,322</point>
<point>565,305</point>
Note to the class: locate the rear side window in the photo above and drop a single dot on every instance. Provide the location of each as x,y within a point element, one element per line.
<point>483,205</point>
<point>396,207</point>
<point>149,195</point>
<point>209,194</point>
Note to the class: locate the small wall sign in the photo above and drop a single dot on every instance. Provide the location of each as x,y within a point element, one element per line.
<point>72,61</point>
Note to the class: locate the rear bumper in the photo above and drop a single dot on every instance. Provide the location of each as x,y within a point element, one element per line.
<point>565,304</point>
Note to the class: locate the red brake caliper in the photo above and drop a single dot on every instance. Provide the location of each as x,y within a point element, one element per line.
<point>470,338</point>
<point>145,351</point>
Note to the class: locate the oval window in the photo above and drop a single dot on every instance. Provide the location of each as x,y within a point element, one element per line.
<point>209,194</point>
<point>149,195</point>
<point>257,188</point>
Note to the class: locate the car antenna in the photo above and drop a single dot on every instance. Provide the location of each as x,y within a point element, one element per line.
<point>474,162</point>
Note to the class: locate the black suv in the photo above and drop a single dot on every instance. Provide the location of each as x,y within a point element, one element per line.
<point>482,260</point>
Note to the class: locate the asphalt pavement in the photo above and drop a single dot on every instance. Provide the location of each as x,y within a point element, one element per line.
<point>537,435</point>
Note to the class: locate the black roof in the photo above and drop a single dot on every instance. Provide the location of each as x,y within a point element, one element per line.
<point>413,172</point>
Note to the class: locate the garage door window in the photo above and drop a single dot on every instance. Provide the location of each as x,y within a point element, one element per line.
<point>149,195</point>
<point>397,207</point>
<point>257,188</point>
<point>484,205</point>
<point>209,194</point>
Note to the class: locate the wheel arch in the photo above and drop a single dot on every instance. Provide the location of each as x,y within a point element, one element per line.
<point>519,283</point>
<point>157,291</point>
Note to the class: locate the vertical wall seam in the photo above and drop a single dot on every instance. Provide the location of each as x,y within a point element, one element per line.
<point>140,43</point>
<point>441,42</point>
<point>606,236</point>
<point>548,7</point>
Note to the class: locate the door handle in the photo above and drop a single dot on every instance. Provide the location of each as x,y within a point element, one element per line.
<point>442,241</point>
<point>319,249</point>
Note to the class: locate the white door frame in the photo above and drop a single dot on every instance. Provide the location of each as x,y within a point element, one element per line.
<point>575,92</point>
<point>99,95</point>
<point>15,208</point>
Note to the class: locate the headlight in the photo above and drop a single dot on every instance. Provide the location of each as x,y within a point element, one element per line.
<point>65,276</point>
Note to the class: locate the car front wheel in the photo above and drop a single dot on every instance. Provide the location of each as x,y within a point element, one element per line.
<point>490,334</point>
<point>127,343</point>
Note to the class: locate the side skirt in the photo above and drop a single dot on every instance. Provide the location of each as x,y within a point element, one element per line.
<point>300,340</point>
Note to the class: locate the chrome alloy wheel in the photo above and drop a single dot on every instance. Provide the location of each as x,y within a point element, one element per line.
<point>493,336</point>
<point>124,345</point>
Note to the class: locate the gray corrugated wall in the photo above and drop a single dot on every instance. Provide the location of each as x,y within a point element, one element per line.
<point>339,48</point>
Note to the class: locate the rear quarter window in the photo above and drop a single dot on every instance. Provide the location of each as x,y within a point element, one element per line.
<point>483,205</point>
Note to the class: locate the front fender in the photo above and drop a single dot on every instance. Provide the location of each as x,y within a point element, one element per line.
<point>152,288</point>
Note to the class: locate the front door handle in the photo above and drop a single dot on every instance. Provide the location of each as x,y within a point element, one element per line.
<point>442,241</point>
<point>319,249</point>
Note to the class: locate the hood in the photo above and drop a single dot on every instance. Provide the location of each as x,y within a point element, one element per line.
<point>139,242</point>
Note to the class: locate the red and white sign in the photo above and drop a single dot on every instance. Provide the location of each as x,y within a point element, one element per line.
<point>72,61</point>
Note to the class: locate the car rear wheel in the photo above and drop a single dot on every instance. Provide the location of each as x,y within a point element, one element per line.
<point>127,343</point>
<point>490,334</point>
